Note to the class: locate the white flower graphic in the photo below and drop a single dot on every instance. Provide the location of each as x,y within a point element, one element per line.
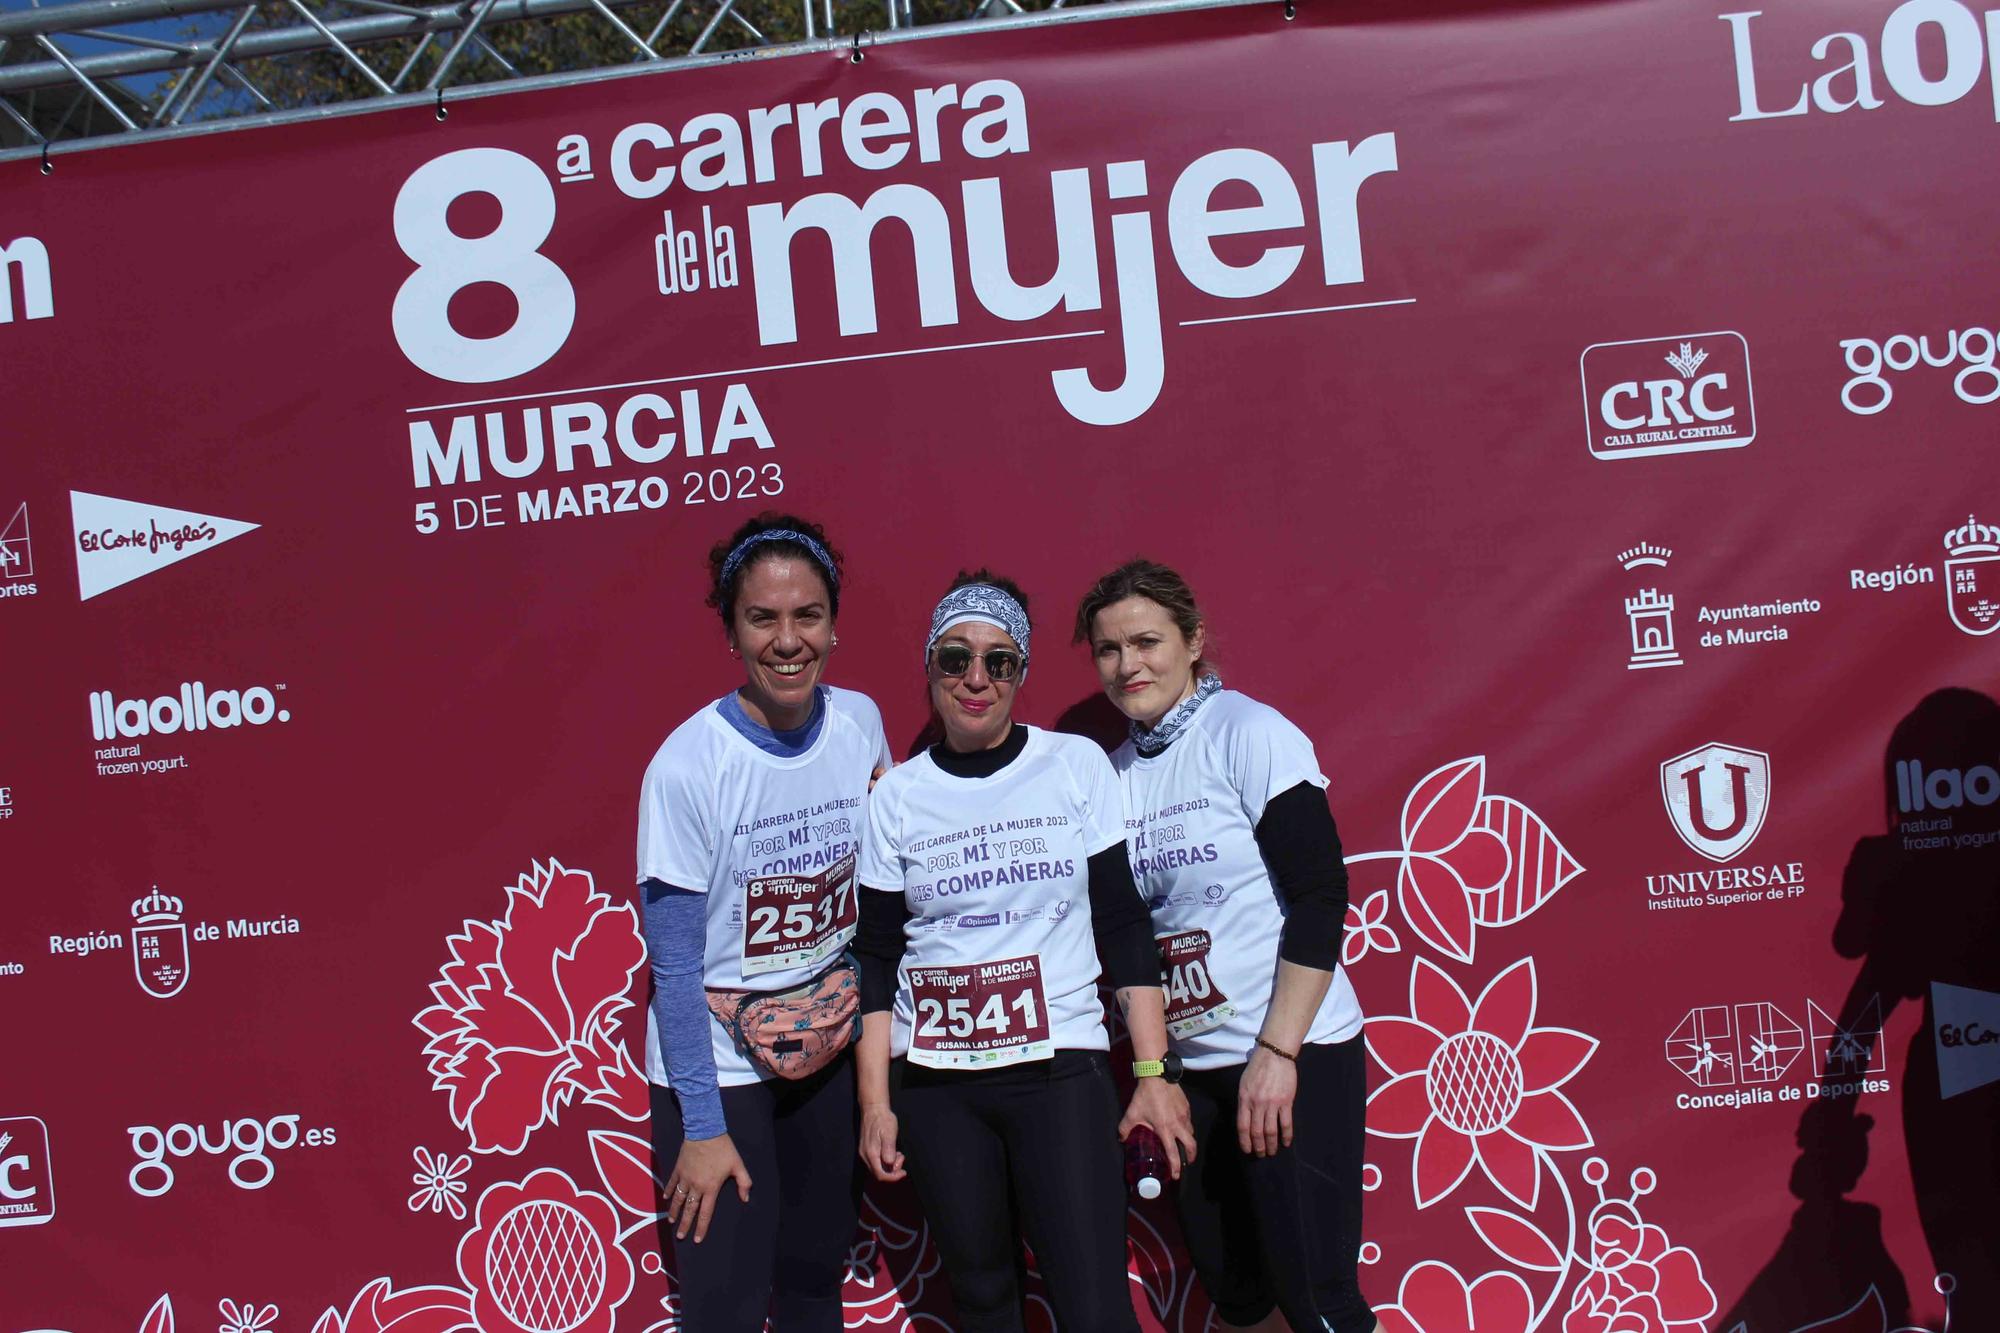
<point>438,1185</point>
<point>245,1317</point>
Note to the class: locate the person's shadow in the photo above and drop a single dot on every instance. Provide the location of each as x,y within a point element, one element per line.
<point>1920,909</point>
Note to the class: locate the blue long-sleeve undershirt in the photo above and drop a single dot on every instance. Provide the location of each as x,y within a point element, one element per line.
<point>676,942</point>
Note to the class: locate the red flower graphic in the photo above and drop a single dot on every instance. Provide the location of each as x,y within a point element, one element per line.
<point>1476,1083</point>
<point>544,1258</point>
<point>527,1011</point>
<point>1435,1299</point>
<point>1640,1282</point>
<point>1469,859</point>
<point>380,1308</point>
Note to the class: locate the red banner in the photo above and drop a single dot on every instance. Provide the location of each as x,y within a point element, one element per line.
<point>1579,419</point>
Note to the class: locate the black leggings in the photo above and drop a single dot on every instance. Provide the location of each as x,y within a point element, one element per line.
<point>1047,1132</point>
<point>1281,1231</point>
<point>785,1252</point>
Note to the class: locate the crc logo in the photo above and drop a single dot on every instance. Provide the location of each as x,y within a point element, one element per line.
<point>27,1191</point>
<point>1717,796</point>
<point>251,1142</point>
<point>1681,395</point>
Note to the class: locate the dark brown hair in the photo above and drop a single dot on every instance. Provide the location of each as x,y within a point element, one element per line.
<point>1157,583</point>
<point>722,596</point>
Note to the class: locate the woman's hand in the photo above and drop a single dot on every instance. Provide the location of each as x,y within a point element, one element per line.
<point>1264,1103</point>
<point>704,1167</point>
<point>1162,1108</point>
<point>878,1142</point>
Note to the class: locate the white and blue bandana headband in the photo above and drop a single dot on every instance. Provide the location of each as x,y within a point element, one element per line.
<point>743,549</point>
<point>986,604</point>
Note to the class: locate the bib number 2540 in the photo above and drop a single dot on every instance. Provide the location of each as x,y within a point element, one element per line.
<point>1194,1002</point>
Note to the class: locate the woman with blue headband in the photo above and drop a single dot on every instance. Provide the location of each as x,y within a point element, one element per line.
<point>749,822</point>
<point>996,889</point>
<point>1236,851</point>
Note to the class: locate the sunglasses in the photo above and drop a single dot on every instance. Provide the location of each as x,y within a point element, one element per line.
<point>955,659</point>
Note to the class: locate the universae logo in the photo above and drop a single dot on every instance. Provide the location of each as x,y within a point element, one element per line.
<point>1686,394</point>
<point>1717,796</point>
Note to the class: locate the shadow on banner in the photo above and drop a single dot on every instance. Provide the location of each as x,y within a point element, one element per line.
<point>1920,911</point>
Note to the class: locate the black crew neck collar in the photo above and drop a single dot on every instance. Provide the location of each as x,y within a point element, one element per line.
<point>981,763</point>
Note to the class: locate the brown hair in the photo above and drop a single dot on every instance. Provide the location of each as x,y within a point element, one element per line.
<point>1157,583</point>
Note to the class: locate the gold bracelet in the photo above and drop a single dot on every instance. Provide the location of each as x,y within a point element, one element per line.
<point>1279,1051</point>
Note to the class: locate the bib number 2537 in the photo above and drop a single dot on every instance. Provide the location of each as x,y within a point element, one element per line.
<point>980,1015</point>
<point>798,920</point>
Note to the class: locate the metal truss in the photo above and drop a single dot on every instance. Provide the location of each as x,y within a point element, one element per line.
<point>106,70</point>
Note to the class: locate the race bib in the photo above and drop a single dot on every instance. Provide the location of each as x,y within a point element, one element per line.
<point>1194,1002</point>
<point>979,1015</point>
<point>798,920</point>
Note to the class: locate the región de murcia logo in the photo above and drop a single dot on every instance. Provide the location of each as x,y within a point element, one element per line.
<point>159,945</point>
<point>1971,589</point>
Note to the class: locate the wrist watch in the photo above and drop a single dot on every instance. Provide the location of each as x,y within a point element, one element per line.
<point>1167,1067</point>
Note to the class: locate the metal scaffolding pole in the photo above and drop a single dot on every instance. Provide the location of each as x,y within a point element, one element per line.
<point>125,83</point>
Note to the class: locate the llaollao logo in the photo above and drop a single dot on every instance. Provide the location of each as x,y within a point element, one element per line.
<point>194,707</point>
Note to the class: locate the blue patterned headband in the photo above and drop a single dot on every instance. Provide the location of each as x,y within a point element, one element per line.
<point>984,603</point>
<point>741,552</point>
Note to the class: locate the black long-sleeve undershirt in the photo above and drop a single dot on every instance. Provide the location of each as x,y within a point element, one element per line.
<point>1119,920</point>
<point>1301,849</point>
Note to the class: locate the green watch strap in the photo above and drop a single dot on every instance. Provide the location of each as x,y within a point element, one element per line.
<point>1148,1068</point>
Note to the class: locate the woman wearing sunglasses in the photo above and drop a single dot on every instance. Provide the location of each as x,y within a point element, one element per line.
<point>1236,852</point>
<point>997,888</point>
<point>749,820</point>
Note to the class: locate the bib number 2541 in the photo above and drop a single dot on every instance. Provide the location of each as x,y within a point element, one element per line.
<point>979,1015</point>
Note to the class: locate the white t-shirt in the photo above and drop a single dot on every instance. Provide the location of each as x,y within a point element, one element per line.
<point>1001,966</point>
<point>767,839</point>
<point>1191,815</point>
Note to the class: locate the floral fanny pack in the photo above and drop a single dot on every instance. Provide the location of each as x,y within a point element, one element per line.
<point>794,1033</point>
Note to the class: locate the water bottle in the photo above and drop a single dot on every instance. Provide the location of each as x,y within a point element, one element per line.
<point>1145,1163</point>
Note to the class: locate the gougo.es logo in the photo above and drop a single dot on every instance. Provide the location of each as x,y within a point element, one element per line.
<point>1870,390</point>
<point>247,1142</point>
